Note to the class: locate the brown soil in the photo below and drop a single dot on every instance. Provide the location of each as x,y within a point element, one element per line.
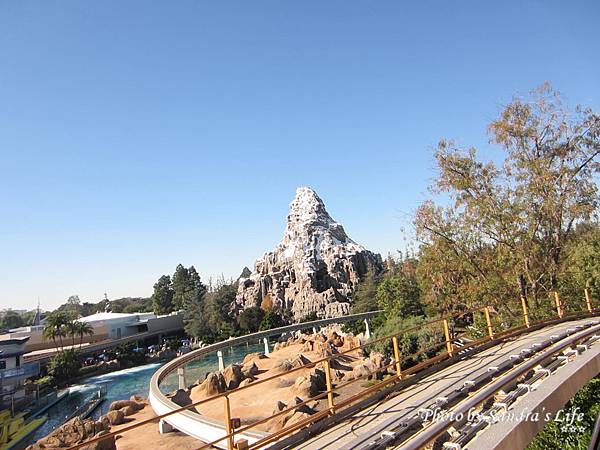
<point>257,402</point>
<point>147,436</point>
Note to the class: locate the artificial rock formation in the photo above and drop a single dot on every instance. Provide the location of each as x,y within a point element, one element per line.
<point>279,389</point>
<point>315,268</point>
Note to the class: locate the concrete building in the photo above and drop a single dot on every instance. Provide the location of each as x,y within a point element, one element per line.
<point>13,372</point>
<point>106,326</point>
<point>36,340</point>
<point>118,325</point>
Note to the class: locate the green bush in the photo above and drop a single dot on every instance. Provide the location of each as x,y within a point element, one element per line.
<point>558,434</point>
<point>358,326</point>
<point>249,320</point>
<point>64,366</point>
<point>409,343</point>
<point>310,317</point>
<point>127,356</point>
<point>271,320</point>
<point>44,382</point>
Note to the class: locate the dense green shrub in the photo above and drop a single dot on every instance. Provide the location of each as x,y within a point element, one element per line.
<point>557,434</point>
<point>414,341</point>
<point>271,320</point>
<point>64,366</point>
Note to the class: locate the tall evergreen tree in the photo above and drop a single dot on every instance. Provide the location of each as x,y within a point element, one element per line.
<point>181,286</point>
<point>162,299</point>
<point>363,299</point>
<point>193,305</point>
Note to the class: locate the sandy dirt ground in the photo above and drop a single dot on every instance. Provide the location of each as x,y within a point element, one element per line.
<point>147,436</point>
<point>254,403</point>
<point>250,404</point>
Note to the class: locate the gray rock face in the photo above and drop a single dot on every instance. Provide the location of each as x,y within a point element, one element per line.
<point>315,268</point>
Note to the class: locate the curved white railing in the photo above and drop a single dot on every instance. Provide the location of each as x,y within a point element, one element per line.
<point>205,428</point>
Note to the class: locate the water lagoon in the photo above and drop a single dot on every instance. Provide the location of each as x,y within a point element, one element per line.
<point>123,384</point>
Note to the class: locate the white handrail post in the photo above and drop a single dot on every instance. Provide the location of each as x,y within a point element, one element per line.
<point>220,357</point>
<point>181,377</point>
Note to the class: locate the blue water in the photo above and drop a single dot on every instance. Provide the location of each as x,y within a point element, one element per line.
<point>135,381</point>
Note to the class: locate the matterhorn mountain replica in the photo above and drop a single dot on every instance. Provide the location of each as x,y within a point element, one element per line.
<point>315,268</point>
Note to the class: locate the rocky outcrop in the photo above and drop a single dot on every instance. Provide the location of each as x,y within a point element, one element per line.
<point>314,269</point>
<point>77,431</point>
<point>292,374</point>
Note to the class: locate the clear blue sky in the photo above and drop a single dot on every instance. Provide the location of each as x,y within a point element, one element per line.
<point>136,135</point>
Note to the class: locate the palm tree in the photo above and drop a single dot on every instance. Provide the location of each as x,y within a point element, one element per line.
<point>50,334</point>
<point>83,329</point>
<point>71,330</point>
<point>55,327</point>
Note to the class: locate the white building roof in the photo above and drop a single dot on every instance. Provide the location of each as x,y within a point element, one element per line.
<point>107,316</point>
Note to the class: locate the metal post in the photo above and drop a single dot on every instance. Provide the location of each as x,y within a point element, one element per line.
<point>525,313</point>
<point>266,342</point>
<point>228,423</point>
<point>588,300</point>
<point>397,357</point>
<point>220,358</point>
<point>329,386</point>
<point>447,335</point>
<point>367,330</point>
<point>559,309</point>
<point>181,377</point>
<point>489,323</point>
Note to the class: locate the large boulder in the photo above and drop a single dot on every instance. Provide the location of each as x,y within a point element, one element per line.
<point>300,361</point>
<point>233,376</point>
<point>107,443</point>
<point>378,360</point>
<point>363,370</point>
<point>128,410</point>
<point>120,404</point>
<point>253,357</point>
<point>278,422</point>
<point>335,340</point>
<point>181,397</point>
<point>74,432</point>
<point>213,384</point>
<point>284,365</point>
<point>311,385</point>
<point>115,417</point>
<point>351,342</point>
<point>250,369</point>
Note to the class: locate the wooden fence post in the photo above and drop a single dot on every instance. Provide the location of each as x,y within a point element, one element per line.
<point>559,309</point>
<point>329,386</point>
<point>525,313</point>
<point>228,423</point>
<point>588,300</point>
<point>397,357</point>
<point>447,335</point>
<point>489,323</point>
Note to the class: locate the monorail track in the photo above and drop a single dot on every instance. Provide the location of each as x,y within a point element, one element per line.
<point>410,419</point>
